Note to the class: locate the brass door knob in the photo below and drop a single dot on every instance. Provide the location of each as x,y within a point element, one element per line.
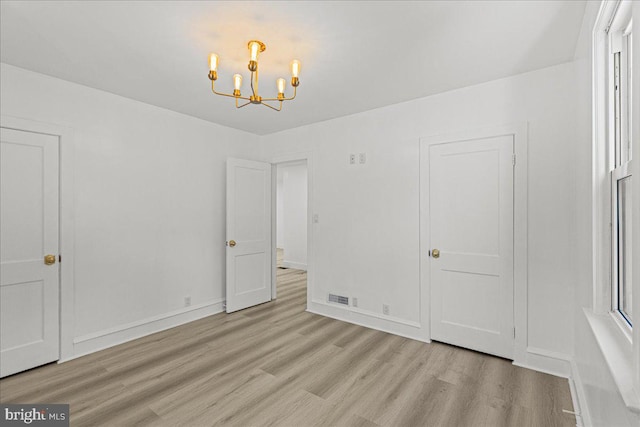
<point>49,259</point>
<point>232,243</point>
<point>435,253</point>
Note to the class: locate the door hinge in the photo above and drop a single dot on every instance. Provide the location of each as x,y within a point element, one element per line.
<point>514,333</point>
<point>513,159</point>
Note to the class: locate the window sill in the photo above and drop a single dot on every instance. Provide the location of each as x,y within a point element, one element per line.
<point>618,353</point>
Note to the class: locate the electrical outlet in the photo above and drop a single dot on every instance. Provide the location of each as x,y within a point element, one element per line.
<point>385,309</point>
<point>355,301</point>
<point>316,219</point>
<point>352,159</point>
<point>187,301</point>
<point>362,158</point>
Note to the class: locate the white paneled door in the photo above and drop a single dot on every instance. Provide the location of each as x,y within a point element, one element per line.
<point>29,276</point>
<point>471,259</point>
<point>248,233</point>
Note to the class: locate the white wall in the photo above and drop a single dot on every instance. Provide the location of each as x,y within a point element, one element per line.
<point>366,243</point>
<point>149,206</point>
<point>602,402</point>
<point>293,217</point>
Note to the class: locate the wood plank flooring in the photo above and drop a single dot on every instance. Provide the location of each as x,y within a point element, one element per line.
<point>277,365</point>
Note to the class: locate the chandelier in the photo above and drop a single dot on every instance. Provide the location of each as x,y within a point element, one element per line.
<point>255,47</point>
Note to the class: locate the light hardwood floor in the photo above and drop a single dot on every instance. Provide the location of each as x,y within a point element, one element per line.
<point>276,364</point>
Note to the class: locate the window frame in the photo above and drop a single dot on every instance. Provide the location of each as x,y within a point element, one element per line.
<point>618,146</point>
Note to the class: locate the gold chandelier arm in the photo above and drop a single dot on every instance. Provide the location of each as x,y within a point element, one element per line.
<point>254,90</point>
<point>295,91</point>
<point>243,105</point>
<point>226,94</point>
<point>273,108</point>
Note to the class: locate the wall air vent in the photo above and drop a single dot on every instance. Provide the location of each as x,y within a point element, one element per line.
<point>338,299</point>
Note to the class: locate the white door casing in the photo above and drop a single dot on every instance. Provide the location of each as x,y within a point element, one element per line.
<point>248,233</point>
<point>471,224</point>
<point>29,289</point>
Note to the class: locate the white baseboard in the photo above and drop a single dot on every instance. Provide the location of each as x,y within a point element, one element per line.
<point>101,340</point>
<point>391,325</point>
<point>579,397</point>
<point>546,361</point>
<point>295,265</point>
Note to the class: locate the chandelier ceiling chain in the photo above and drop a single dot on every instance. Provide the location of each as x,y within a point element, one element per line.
<point>255,47</point>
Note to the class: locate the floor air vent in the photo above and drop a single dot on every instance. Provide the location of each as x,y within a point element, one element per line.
<point>338,299</point>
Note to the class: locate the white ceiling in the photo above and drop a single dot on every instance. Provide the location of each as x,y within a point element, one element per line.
<point>355,56</point>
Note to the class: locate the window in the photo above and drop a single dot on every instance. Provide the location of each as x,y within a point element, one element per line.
<point>619,147</point>
<point>612,318</point>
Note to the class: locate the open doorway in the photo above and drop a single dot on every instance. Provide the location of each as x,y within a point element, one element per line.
<point>291,231</point>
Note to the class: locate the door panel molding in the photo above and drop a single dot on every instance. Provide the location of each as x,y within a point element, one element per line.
<point>519,131</point>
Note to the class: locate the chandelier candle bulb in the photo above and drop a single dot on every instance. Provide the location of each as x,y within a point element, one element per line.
<point>280,83</point>
<point>237,83</point>
<point>213,66</point>
<point>295,68</point>
<point>213,62</point>
<point>295,72</point>
<point>254,47</point>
